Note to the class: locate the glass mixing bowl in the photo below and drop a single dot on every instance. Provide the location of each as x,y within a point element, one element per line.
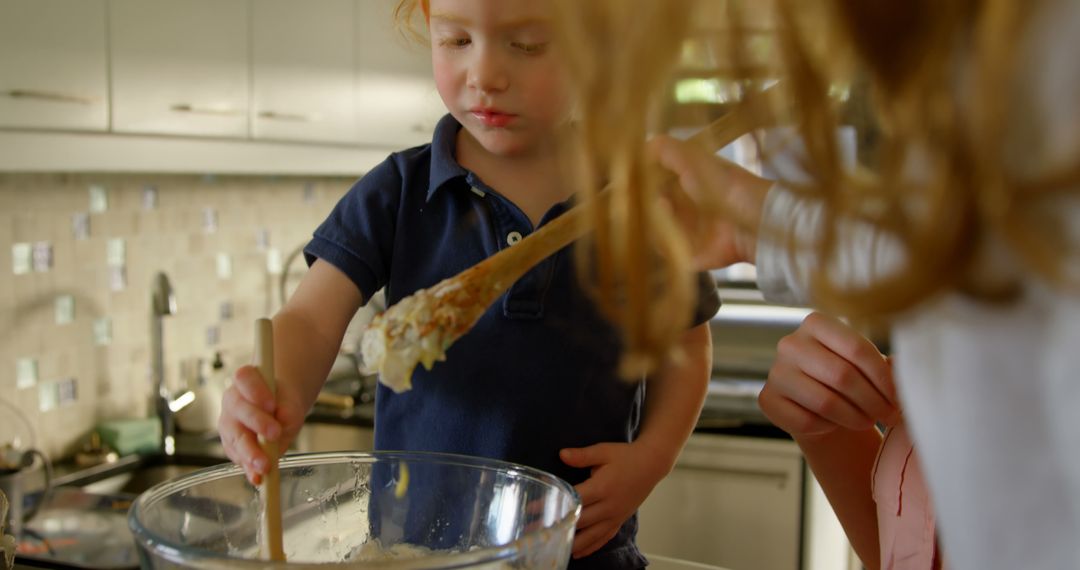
<point>364,510</point>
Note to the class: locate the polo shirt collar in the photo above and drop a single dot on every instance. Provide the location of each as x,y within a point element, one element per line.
<point>444,165</point>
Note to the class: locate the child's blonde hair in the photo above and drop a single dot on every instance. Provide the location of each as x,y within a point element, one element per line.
<point>620,53</point>
<point>945,78</point>
<point>405,17</point>
<point>914,55</point>
<point>625,54</point>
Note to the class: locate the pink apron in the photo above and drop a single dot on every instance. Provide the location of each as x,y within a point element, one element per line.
<point>905,515</point>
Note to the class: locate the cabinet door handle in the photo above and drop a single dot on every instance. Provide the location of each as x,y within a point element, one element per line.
<point>339,401</point>
<point>294,117</point>
<point>196,110</point>
<point>781,477</point>
<point>52,96</point>
<point>719,423</point>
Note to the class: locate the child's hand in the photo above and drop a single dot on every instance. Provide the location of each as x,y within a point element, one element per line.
<point>248,410</point>
<point>826,377</point>
<point>720,203</point>
<point>623,475</point>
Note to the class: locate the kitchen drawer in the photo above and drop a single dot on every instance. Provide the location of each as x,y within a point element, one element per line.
<point>730,501</point>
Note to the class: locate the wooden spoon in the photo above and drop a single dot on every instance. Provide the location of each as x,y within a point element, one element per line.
<point>270,489</point>
<point>419,328</point>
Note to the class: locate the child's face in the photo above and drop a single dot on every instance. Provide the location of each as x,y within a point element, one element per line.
<point>498,72</point>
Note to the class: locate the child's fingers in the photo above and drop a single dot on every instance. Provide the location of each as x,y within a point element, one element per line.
<point>589,492</point>
<point>242,448</point>
<point>591,515</point>
<point>253,388</point>
<point>590,456</point>
<point>590,540</point>
<point>256,462</point>
<point>832,353</point>
<point>681,159</point>
<point>847,380</point>
<point>856,349</point>
<point>819,398</point>
<point>251,417</point>
<point>790,416</point>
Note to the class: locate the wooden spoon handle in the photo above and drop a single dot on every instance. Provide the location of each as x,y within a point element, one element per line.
<point>270,489</point>
<point>511,263</point>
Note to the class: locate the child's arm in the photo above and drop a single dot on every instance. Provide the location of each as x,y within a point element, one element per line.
<point>624,474</point>
<point>307,336</point>
<point>827,388</point>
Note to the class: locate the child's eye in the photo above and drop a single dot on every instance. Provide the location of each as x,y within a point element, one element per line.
<point>528,48</point>
<point>455,42</point>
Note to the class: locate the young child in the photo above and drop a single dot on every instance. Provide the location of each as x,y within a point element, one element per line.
<point>980,244</point>
<point>534,382</point>
<point>828,388</point>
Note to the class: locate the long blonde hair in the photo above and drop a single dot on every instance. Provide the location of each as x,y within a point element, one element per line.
<point>916,56</point>
<point>636,256</point>
<point>941,76</point>
<point>920,55</point>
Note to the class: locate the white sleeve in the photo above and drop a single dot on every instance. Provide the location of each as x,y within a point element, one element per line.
<point>787,253</point>
<point>784,278</point>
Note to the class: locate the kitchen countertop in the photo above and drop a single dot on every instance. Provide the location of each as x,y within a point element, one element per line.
<point>198,449</point>
<point>712,421</point>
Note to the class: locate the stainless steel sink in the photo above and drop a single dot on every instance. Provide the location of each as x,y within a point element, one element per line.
<point>141,477</point>
<point>83,523</point>
<point>138,480</point>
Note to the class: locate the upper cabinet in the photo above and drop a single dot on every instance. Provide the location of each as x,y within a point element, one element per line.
<point>396,101</point>
<point>180,68</point>
<point>53,66</point>
<point>192,83</point>
<point>302,69</point>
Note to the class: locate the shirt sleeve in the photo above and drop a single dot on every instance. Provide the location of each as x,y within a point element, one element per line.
<point>787,253</point>
<point>358,235</point>
<point>782,276</point>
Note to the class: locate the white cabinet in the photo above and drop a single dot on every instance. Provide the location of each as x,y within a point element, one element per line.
<point>180,68</point>
<point>734,502</point>
<point>229,86</point>
<point>744,503</point>
<point>53,64</point>
<point>396,102</point>
<point>302,70</point>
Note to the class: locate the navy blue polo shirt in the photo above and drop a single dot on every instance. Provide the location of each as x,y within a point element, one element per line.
<point>538,371</point>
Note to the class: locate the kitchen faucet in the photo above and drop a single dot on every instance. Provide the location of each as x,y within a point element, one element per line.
<point>163,304</point>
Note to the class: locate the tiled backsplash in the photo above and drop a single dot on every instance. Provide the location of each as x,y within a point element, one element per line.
<point>77,256</point>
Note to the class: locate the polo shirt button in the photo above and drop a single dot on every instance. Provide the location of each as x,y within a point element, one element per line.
<point>513,237</point>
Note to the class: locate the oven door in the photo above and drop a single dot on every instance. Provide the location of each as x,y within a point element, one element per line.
<point>745,332</point>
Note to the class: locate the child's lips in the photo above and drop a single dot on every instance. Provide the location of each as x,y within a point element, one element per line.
<point>493,117</point>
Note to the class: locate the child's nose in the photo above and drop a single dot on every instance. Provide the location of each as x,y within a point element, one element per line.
<point>488,72</point>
